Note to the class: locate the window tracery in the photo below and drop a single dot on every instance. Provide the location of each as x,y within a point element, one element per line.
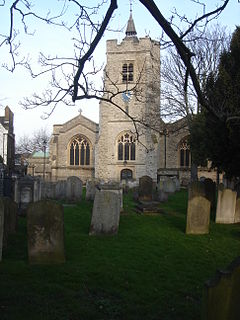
<point>184,153</point>
<point>126,147</point>
<point>79,151</point>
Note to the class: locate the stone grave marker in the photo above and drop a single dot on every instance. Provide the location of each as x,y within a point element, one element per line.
<point>222,294</point>
<point>177,183</point>
<point>74,189</point>
<point>198,211</point>
<point>106,213</point>
<point>169,186</point>
<point>24,193</point>
<point>10,216</point>
<point>210,189</point>
<point>145,188</point>
<point>90,190</point>
<point>226,206</point>
<point>115,188</point>
<point>60,190</point>
<point>48,190</point>
<point>45,228</point>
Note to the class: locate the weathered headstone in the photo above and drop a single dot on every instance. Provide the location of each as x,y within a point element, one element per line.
<point>24,193</point>
<point>9,208</point>
<point>90,190</point>
<point>169,186</point>
<point>177,183</point>
<point>74,189</point>
<point>115,188</point>
<point>48,190</point>
<point>145,189</point>
<point>1,228</point>
<point>45,228</point>
<point>237,211</point>
<point>161,196</point>
<point>222,294</point>
<point>60,190</point>
<point>210,188</point>
<point>198,211</point>
<point>106,213</point>
<point>226,206</point>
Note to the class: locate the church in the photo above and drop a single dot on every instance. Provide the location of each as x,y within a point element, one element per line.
<point>131,140</point>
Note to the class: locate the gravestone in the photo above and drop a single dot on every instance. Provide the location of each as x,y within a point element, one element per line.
<point>74,189</point>
<point>9,208</point>
<point>61,190</point>
<point>237,211</point>
<point>24,193</point>
<point>210,189</point>
<point>106,213</point>
<point>145,188</point>
<point>115,188</point>
<point>169,186</point>
<point>1,228</point>
<point>226,206</point>
<point>222,294</point>
<point>198,211</point>
<point>90,190</point>
<point>37,190</point>
<point>45,230</point>
<point>177,183</point>
<point>48,190</point>
<point>161,196</point>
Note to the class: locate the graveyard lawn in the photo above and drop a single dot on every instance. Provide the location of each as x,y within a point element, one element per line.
<point>150,270</point>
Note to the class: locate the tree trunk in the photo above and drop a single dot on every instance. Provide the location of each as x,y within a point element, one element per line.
<point>194,172</point>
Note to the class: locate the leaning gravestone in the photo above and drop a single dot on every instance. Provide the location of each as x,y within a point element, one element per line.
<point>222,294</point>
<point>106,213</point>
<point>210,188</point>
<point>115,188</point>
<point>74,189</point>
<point>198,211</point>
<point>226,206</point>
<point>1,228</point>
<point>145,188</point>
<point>45,230</point>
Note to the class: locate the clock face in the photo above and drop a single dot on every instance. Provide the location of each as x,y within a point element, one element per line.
<point>126,96</point>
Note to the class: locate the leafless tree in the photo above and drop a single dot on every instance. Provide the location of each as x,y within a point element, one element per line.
<point>72,78</point>
<point>37,142</point>
<point>177,99</point>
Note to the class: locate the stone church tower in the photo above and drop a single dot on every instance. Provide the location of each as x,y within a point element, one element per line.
<point>127,148</point>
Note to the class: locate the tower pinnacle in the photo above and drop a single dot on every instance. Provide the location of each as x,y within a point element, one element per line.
<point>130,31</point>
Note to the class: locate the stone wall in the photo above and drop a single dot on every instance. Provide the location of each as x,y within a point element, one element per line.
<point>59,149</point>
<point>143,104</point>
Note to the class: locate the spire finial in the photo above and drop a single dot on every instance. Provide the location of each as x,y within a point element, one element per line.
<point>131,31</point>
<point>130,6</point>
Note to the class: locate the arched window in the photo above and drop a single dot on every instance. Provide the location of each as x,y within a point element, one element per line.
<point>126,147</point>
<point>184,153</point>
<point>79,151</point>
<point>127,72</point>
<point>126,174</point>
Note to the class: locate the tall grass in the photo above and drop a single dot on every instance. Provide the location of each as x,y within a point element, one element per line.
<point>150,270</point>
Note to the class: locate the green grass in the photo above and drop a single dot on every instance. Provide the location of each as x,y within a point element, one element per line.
<point>150,270</point>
